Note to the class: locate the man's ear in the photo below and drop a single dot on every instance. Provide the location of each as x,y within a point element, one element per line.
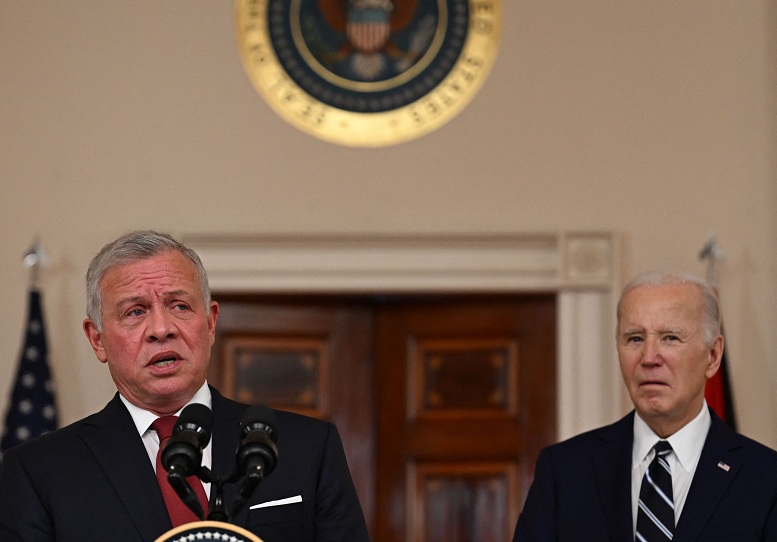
<point>213,316</point>
<point>95,339</point>
<point>716,354</point>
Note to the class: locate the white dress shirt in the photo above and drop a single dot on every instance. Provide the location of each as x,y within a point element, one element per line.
<point>143,420</point>
<point>687,444</point>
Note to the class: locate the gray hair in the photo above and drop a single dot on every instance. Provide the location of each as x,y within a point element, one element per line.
<point>130,248</point>
<point>711,318</point>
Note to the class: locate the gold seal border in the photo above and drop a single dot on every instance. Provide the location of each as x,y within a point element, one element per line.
<point>353,129</point>
<point>176,532</point>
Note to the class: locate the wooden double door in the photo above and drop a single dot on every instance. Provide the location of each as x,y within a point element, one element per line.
<point>442,402</point>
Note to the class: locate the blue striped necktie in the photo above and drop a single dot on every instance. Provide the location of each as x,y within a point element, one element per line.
<point>655,515</point>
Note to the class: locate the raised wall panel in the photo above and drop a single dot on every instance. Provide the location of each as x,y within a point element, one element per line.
<point>288,373</point>
<point>463,378</point>
<point>461,502</point>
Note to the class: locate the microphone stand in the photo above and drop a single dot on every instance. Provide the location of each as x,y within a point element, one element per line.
<point>252,479</point>
<point>185,491</point>
<point>218,508</point>
<point>256,456</point>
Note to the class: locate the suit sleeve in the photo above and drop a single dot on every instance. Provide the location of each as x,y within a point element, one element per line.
<point>537,522</point>
<point>339,516</point>
<point>23,517</point>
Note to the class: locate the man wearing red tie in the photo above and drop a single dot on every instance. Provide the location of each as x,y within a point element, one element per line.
<point>152,321</point>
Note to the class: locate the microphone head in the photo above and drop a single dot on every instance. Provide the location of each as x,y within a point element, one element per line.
<point>258,444</point>
<point>262,418</point>
<point>191,434</point>
<point>198,418</point>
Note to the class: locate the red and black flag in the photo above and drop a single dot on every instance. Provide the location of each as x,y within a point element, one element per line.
<point>718,393</point>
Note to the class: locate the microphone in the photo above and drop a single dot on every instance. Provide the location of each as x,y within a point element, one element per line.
<point>257,454</point>
<point>182,454</point>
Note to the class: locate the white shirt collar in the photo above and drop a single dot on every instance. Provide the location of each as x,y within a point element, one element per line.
<point>143,418</point>
<point>687,443</point>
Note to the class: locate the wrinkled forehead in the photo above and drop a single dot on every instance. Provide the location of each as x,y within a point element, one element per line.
<point>662,304</point>
<point>170,271</point>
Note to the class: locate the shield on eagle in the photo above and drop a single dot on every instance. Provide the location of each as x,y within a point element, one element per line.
<point>368,24</point>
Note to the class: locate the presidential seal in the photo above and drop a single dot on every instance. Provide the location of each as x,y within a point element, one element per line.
<point>368,73</point>
<point>208,530</point>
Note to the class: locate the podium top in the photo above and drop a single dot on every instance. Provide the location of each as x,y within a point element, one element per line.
<point>208,530</point>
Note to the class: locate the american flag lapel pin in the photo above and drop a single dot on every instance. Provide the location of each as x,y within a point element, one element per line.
<point>723,466</point>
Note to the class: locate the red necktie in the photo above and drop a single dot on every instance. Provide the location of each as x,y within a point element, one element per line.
<point>178,511</point>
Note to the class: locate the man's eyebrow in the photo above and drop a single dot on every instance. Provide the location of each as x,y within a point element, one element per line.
<point>137,298</point>
<point>129,300</point>
<point>673,331</point>
<point>177,293</point>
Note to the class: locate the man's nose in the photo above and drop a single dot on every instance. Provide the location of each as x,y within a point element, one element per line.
<point>161,325</point>
<point>651,351</point>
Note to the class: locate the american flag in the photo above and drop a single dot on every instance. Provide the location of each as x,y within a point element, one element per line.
<point>32,411</point>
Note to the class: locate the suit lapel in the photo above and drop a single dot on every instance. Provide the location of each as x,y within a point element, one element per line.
<point>710,480</point>
<point>226,438</point>
<point>113,439</point>
<point>612,467</point>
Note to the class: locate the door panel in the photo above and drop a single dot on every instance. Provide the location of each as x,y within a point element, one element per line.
<point>311,356</point>
<point>467,399</point>
<point>443,402</point>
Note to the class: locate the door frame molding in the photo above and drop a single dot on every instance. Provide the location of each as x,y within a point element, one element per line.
<point>581,268</point>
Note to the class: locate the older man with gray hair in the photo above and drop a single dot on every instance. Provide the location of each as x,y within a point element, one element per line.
<point>671,469</point>
<point>151,320</point>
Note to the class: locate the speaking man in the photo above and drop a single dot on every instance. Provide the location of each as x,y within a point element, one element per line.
<point>151,320</point>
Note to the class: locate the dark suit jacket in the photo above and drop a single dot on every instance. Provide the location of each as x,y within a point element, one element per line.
<point>582,489</point>
<point>93,481</point>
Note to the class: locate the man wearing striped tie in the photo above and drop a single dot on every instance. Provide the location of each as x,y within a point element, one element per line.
<point>671,469</point>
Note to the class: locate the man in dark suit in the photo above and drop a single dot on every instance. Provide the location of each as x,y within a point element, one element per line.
<point>604,484</point>
<point>151,320</point>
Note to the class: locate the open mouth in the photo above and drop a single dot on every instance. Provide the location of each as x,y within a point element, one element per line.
<point>164,359</point>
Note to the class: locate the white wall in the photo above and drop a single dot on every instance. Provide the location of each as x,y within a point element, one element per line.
<point>654,120</point>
